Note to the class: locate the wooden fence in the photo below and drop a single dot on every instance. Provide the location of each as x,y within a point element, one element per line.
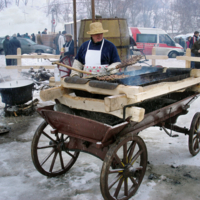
<point>188,58</point>
<point>19,65</point>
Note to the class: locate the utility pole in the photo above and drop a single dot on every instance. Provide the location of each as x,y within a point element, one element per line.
<point>75,28</point>
<point>93,10</point>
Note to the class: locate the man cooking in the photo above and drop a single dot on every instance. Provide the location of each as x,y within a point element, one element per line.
<point>96,55</point>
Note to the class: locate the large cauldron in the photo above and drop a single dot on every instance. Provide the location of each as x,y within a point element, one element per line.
<point>16,92</point>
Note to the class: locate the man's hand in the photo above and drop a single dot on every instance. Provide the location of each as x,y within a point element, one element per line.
<point>112,68</point>
<point>198,51</point>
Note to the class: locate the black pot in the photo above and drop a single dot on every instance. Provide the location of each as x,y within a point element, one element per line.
<point>16,92</point>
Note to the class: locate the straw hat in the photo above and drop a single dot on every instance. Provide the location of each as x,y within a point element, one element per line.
<point>96,28</point>
<point>69,35</point>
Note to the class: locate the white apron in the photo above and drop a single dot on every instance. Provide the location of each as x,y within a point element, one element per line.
<point>93,61</point>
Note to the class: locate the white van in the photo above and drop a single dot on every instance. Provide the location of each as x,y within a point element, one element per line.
<point>147,38</point>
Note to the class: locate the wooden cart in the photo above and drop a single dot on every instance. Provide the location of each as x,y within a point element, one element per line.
<point>67,132</point>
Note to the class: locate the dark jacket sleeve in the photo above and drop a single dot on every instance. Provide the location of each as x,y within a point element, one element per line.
<point>114,55</point>
<point>195,48</point>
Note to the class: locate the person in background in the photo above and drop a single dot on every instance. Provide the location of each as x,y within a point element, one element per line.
<point>39,38</point>
<point>67,58</point>
<point>69,45</point>
<point>196,51</point>
<point>96,55</point>
<point>188,42</point>
<point>13,45</point>
<point>61,40</point>
<point>183,43</point>
<point>18,35</point>
<point>192,41</point>
<point>45,31</point>
<point>6,49</point>
<point>33,37</point>
<point>26,36</point>
<point>56,43</point>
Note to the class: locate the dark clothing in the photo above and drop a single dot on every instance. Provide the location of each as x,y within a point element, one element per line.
<point>44,32</point>
<point>6,50</point>
<point>195,48</point>
<point>33,38</point>
<point>71,48</point>
<point>193,40</point>
<point>13,45</point>
<point>109,53</point>
<point>6,46</point>
<point>56,43</point>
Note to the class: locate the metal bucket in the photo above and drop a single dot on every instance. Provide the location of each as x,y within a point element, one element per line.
<point>118,34</point>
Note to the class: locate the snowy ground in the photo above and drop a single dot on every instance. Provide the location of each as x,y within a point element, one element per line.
<point>176,172</point>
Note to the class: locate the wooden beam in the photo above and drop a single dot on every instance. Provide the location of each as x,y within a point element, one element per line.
<point>156,57</point>
<point>29,66</point>
<point>117,102</point>
<point>53,93</point>
<point>187,58</point>
<point>195,73</point>
<point>164,88</point>
<point>188,54</point>
<point>97,105</point>
<point>34,56</point>
<point>196,88</point>
<point>121,89</point>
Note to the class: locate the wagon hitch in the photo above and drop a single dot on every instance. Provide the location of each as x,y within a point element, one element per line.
<point>170,134</point>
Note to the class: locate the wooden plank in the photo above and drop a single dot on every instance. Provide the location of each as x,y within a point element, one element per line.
<point>164,88</point>
<point>188,54</point>
<point>156,57</point>
<point>117,102</point>
<point>97,105</point>
<point>196,88</point>
<point>121,89</point>
<point>195,73</point>
<point>19,62</point>
<point>187,58</point>
<point>53,93</point>
<point>43,56</point>
<point>29,66</point>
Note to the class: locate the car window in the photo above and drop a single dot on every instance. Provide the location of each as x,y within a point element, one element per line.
<point>30,41</point>
<point>24,42</point>
<point>165,39</point>
<point>147,38</point>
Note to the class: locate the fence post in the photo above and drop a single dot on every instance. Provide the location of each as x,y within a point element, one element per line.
<point>19,61</point>
<point>153,53</point>
<point>188,63</point>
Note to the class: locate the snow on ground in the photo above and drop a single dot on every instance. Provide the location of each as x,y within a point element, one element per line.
<point>176,172</point>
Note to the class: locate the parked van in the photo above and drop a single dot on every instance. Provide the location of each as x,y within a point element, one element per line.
<point>147,38</point>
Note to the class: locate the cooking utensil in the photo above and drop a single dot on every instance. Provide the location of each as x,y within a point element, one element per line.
<point>68,67</point>
<point>16,92</point>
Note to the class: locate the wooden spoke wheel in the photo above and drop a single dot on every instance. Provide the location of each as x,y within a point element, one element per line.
<point>123,168</point>
<point>194,135</point>
<point>47,152</point>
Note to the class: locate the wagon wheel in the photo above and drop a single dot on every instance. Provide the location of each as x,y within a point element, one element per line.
<point>47,152</point>
<point>123,168</point>
<point>194,135</point>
